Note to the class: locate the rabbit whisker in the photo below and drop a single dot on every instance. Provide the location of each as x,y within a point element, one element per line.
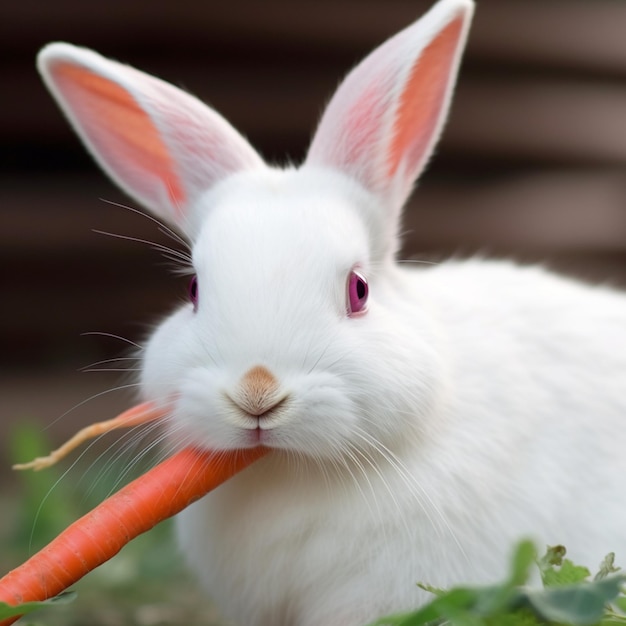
<point>163,227</point>
<point>87,370</point>
<point>111,360</point>
<point>92,397</point>
<point>112,336</point>
<point>179,257</point>
<point>418,262</point>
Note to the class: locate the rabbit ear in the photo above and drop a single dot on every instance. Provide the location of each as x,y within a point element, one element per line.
<point>159,144</point>
<point>381,125</point>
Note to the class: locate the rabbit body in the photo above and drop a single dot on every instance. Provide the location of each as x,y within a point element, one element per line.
<point>518,385</point>
<point>422,418</point>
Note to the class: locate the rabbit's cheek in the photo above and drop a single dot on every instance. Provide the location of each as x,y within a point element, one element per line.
<point>167,355</point>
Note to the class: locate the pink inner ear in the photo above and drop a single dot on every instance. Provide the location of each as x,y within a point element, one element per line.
<point>358,124</point>
<point>420,106</point>
<point>122,132</point>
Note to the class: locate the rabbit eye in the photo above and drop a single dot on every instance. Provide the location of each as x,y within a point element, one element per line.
<point>358,291</point>
<point>193,292</point>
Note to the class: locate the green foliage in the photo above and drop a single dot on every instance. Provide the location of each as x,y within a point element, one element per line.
<point>568,597</point>
<point>45,505</point>
<point>145,579</point>
<point>7,611</point>
<point>557,570</point>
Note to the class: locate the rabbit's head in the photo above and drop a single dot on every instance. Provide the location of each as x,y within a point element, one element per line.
<point>299,333</point>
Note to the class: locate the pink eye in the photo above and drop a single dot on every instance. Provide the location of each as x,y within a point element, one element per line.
<point>193,292</point>
<point>357,293</point>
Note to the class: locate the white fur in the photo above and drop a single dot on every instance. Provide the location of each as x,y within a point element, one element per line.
<point>475,403</point>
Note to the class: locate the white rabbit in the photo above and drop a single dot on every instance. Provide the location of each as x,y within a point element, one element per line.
<point>422,418</point>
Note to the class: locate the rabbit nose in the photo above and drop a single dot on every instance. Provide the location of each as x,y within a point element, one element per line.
<point>258,392</point>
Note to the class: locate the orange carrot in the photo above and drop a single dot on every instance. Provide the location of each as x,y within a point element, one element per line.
<point>160,493</point>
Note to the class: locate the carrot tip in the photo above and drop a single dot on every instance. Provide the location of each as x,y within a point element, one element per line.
<point>41,462</point>
<point>137,415</point>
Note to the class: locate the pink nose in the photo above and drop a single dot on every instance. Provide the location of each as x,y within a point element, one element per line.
<point>258,392</point>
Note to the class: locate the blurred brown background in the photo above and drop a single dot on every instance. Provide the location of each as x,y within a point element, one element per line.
<point>532,164</point>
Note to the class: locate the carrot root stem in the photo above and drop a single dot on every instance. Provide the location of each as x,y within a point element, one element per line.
<point>140,414</point>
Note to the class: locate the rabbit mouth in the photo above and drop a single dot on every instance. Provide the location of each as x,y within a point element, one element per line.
<point>259,437</point>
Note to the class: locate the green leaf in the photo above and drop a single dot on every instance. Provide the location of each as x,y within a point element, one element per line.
<point>524,558</point>
<point>567,574</point>
<point>436,591</point>
<point>519,617</point>
<point>553,557</point>
<point>611,618</point>
<point>578,604</point>
<point>607,567</point>
<point>434,612</point>
<point>7,610</point>
<point>496,599</point>
<point>556,570</point>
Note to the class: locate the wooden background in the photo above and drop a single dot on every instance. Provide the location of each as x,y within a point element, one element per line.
<point>532,165</point>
